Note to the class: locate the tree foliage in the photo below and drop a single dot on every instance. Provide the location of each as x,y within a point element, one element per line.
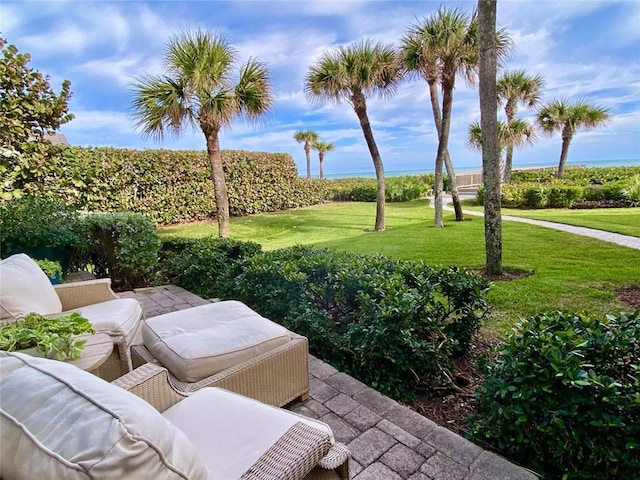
<point>29,108</point>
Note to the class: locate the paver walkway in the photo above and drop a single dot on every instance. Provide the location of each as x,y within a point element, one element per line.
<point>624,240</point>
<point>388,441</point>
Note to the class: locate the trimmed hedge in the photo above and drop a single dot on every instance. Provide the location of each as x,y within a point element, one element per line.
<point>397,189</point>
<point>563,397</point>
<point>576,175</point>
<point>167,186</point>
<point>394,325</point>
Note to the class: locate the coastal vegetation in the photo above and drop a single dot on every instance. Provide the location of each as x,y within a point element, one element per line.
<point>198,89</point>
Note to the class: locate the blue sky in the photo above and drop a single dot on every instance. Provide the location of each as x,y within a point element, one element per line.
<point>584,50</point>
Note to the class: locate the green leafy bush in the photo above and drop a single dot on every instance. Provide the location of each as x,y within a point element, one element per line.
<point>563,396</point>
<point>50,336</point>
<point>394,325</point>
<point>576,175</point>
<point>631,192</point>
<point>397,189</point>
<point>122,246</point>
<point>206,266</point>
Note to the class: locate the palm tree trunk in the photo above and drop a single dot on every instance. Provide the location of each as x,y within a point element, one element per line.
<point>508,163</point>
<point>489,125</point>
<point>321,162</point>
<point>443,141</point>
<point>307,149</point>
<point>360,107</point>
<point>566,140</point>
<point>219,184</point>
<point>437,118</point>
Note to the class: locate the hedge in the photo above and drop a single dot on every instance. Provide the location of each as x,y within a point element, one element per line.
<point>168,186</point>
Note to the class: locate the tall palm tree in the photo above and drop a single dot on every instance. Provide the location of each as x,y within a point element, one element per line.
<point>516,134</point>
<point>199,89</point>
<point>488,65</point>
<point>442,47</point>
<point>568,117</point>
<point>513,88</point>
<point>351,74</point>
<point>306,137</point>
<point>322,148</point>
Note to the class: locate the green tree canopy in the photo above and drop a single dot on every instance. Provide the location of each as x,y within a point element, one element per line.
<point>199,89</point>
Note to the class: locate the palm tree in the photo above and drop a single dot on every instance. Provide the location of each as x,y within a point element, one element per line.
<point>487,63</point>
<point>568,117</point>
<point>516,134</point>
<point>307,138</point>
<point>351,74</point>
<point>322,148</point>
<point>513,88</point>
<point>443,46</point>
<point>198,89</point>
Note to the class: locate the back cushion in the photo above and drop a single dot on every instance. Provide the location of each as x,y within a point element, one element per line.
<point>25,288</point>
<point>58,421</point>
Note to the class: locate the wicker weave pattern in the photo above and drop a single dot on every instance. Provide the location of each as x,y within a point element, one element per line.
<point>79,294</point>
<point>302,453</point>
<point>292,456</point>
<point>276,377</point>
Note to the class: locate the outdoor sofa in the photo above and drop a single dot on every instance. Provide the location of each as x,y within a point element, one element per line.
<point>59,421</point>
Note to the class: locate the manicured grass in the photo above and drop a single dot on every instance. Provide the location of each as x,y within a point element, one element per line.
<point>569,272</point>
<point>618,220</point>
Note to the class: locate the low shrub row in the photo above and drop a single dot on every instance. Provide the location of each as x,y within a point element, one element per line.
<point>563,396</point>
<point>559,194</point>
<point>576,175</point>
<point>397,189</point>
<point>394,325</point>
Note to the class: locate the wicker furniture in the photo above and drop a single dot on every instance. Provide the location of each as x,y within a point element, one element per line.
<point>25,288</point>
<point>58,421</point>
<point>227,337</point>
<point>302,452</point>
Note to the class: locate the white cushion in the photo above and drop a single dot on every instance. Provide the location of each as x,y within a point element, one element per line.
<point>25,288</point>
<point>232,432</point>
<point>119,317</point>
<point>202,341</point>
<point>58,421</point>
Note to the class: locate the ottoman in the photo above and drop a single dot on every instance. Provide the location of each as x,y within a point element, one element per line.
<point>228,345</point>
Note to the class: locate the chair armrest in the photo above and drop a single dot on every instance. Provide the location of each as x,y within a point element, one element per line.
<point>79,294</point>
<point>336,457</point>
<point>151,383</point>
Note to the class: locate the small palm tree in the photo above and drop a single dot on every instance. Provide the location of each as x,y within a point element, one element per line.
<point>568,117</point>
<point>322,148</point>
<point>351,74</point>
<point>442,47</point>
<point>516,134</point>
<point>514,88</point>
<point>198,89</point>
<point>307,138</point>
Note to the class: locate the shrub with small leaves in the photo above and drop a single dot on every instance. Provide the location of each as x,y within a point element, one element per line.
<point>563,396</point>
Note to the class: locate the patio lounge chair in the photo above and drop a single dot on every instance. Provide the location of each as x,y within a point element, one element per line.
<point>58,421</point>
<point>24,288</point>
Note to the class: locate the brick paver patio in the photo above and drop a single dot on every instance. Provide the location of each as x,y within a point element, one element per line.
<point>388,441</point>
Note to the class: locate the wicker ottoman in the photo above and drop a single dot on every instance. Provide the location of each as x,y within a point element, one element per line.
<point>227,345</point>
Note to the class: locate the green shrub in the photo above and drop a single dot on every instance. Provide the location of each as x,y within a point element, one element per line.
<point>631,192</point>
<point>397,189</point>
<point>609,191</point>
<point>122,246</point>
<point>394,325</point>
<point>576,175</point>
<point>206,266</point>
<point>563,196</point>
<point>563,396</point>
<point>364,193</point>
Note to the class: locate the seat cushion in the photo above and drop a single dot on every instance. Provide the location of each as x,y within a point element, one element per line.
<point>202,341</point>
<point>25,288</point>
<point>220,434</point>
<point>119,317</point>
<point>58,421</point>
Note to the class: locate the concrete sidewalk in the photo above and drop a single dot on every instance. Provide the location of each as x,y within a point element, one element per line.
<point>624,240</point>
<point>388,441</point>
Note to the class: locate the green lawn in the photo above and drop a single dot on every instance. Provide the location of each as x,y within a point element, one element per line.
<point>618,220</point>
<point>568,272</point>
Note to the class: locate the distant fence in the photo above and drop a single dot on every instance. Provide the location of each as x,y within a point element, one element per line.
<point>468,179</point>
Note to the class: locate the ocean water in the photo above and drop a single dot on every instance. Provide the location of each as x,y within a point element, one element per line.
<point>477,169</point>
